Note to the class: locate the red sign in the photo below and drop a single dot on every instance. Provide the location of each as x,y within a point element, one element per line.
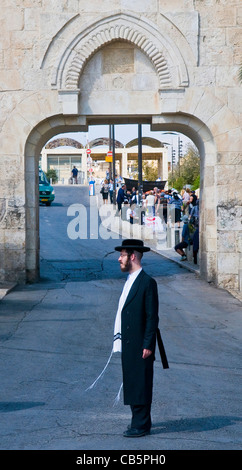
<point>109,154</point>
<point>89,151</point>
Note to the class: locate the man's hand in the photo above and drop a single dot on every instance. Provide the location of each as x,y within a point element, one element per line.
<point>146,353</point>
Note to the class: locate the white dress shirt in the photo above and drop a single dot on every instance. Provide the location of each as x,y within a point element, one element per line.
<point>117,325</point>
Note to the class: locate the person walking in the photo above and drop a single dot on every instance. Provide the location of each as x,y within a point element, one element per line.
<point>179,248</point>
<point>120,197</point>
<point>150,204</point>
<point>135,332</point>
<point>186,201</point>
<point>177,204</point>
<point>104,191</point>
<point>111,191</point>
<point>74,174</point>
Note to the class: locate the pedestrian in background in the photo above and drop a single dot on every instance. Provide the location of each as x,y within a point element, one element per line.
<point>185,239</point>
<point>74,174</point>
<point>120,197</point>
<point>111,191</point>
<point>150,204</point>
<point>177,203</point>
<point>104,191</point>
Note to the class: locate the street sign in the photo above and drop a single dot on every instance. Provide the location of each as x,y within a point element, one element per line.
<point>89,151</point>
<point>90,170</point>
<point>109,157</point>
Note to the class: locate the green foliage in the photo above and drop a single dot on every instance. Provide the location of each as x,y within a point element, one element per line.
<point>196,183</point>
<point>188,172</point>
<point>52,174</point>
<point>176,182</point>
<point>240,73</point>
<point>150,171</point>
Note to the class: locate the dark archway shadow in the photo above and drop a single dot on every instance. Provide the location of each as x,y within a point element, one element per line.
<point>207,423</point>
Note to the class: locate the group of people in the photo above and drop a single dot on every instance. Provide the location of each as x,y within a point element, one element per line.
<point>181,207</point>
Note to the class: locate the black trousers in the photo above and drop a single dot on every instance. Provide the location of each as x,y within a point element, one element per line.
<point>141,418</point>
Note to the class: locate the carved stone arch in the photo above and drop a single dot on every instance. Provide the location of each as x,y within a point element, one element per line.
<point>119,33</point>
<point>63,142</point>
<point>162,51</point>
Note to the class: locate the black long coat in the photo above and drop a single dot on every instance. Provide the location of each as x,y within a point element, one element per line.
<point>139,324</point>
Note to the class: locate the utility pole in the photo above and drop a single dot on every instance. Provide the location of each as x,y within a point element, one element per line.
<point>140,176</point>
<point>179,152</point>
<point>110,148</point>
<point>114,176</point>
<point>173,159</point>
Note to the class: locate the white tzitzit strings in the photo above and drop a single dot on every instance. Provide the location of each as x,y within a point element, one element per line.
<point>117,399</point>
<point>100,376</point>
<point>117,340</point>
<point>118,396</point>
<point>116,335</point>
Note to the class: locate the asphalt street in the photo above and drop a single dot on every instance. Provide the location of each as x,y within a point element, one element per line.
<point>56,337</point>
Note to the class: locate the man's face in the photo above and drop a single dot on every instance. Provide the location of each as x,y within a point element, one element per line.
<point>124,261</point>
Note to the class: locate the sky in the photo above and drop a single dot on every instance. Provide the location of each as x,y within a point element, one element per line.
<point>125,133</point>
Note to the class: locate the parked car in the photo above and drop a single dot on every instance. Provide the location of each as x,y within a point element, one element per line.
<point>46,191</point>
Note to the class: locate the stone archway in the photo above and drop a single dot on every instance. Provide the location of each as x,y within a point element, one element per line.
<point>196,91</point>
<point>192,127</point>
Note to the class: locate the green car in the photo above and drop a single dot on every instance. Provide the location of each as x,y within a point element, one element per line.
<point>46,191</point>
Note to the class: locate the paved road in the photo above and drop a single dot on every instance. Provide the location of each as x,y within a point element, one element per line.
<point>56,336</point>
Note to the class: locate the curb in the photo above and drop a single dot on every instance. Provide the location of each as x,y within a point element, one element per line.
<point>5,289</point>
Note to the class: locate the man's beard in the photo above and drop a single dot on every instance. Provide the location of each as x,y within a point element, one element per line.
<point>125,266</point>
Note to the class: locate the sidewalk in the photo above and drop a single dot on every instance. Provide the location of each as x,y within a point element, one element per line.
<point>157,244</point>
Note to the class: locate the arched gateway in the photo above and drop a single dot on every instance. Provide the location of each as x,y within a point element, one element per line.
<point>160,65</point>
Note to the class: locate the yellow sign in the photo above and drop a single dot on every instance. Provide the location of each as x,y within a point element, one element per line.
<point>109,159</point>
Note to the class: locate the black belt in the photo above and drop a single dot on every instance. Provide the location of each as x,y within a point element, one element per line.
<point>162,350</point>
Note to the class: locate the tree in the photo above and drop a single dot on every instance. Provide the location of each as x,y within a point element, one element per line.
<point>188,171</point>
<point>149,171</point>
<point>196,183</point>
<point>52,174</point>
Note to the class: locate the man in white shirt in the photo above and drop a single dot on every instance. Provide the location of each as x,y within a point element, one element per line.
<point>150,204</point>
<point>135,335</point>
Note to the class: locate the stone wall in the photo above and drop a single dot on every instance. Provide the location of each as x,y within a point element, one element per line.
<point>172,61</point>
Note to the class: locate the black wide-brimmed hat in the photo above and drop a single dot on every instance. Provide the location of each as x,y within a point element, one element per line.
<point>131,244</point>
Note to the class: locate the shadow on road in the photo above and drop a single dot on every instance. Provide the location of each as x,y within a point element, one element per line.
<point>207,423</point>
<point>6,407</point>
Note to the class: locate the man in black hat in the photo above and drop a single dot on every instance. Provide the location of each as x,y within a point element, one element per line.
<point>135,335</point>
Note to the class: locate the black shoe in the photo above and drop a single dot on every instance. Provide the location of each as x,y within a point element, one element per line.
<point>133,432</point>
